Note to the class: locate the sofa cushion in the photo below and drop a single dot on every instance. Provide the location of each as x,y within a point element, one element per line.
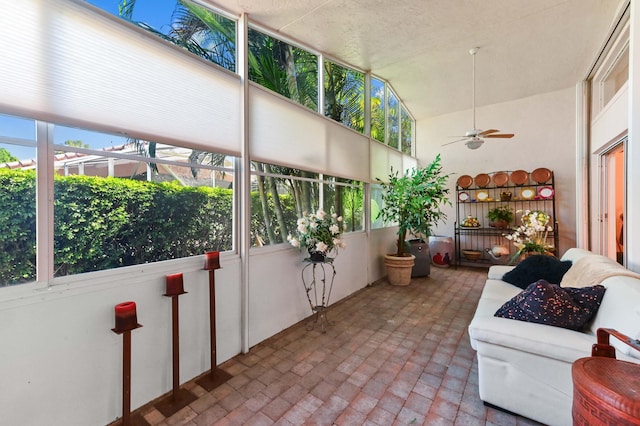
<point>537,267</point>
<point>550,304</point>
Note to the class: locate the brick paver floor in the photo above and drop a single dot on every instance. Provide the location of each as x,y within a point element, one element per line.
<point>392,356</point>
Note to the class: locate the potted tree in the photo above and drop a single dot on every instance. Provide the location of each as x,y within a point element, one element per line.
<point>500,217</point>
<point>413,201</point>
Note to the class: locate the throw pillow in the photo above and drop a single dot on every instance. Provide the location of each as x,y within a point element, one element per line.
<point>550,304</point>
<point>537,267</point>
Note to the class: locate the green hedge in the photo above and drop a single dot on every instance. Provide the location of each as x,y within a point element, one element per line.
<point>17,226</point>
<point>103,223</point>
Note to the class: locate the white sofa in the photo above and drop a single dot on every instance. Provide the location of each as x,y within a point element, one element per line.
<point>524,367</point>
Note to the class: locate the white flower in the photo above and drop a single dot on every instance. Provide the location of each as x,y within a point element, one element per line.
<point>319,231</point>
<point>320,246</point>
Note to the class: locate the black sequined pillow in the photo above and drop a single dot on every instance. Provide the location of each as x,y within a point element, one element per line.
<point>550,304</point>
<point>537,267</point>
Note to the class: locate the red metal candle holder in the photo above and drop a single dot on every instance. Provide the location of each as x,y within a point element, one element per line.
<point>216,376</point>
<point>126,320</point>
<point>179,398</point>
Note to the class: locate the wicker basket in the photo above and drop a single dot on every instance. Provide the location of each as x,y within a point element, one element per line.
<point>472,254</point>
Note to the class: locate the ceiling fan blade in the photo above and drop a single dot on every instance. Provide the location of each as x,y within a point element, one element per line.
<point>500,135</point>
<point>486,132</point>
<point>457,140</point>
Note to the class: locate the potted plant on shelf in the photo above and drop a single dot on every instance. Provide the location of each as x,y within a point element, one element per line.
<point>500,217</point>
<point>532,236</point>
<point>413,201</point>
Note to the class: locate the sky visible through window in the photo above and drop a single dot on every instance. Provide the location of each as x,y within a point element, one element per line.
<point>155,13</point>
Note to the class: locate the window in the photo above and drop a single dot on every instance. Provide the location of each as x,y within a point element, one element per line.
<point>17,201</point>
<point>406,132</point>
<point>136,201</point>
<point>344,95</point>
<point>376,206</point>
<point>183,23</point>
<point>345,198</point>
<point>393,119</point>
<point>288,70</point>
<point>377,109</point>
<point>280,195</point>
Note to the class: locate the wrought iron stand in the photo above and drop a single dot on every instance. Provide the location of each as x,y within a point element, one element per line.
<point>318,290</point>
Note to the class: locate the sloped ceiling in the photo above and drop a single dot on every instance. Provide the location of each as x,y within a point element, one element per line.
<point>422,46</point>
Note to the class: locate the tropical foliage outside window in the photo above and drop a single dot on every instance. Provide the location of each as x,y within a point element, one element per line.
<point>183,23</point>
<point>378,105</point>
<point>288,70</point>
<point>393,119</point>
<point>344,95</point>
<point>280,195</point>
<point>406,132</point>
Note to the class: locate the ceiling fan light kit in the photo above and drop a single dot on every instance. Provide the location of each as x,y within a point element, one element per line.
<point>474,143</point>
<point>474,138</point>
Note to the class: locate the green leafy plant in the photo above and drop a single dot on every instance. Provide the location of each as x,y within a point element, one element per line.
<point>414,201</point>
<point>501,213</point>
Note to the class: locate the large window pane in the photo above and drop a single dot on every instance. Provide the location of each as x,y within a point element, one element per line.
<point>377,109</point>
<point>406,134</point>
<point>345,198</point>
<point>344,95</point>
<point>281,195</point>
<point>288,70</point>
<point>393,120</point>
<point>135,202</point>
<point>376,206</point>
<point>183,23</point>
<point>17,201</point>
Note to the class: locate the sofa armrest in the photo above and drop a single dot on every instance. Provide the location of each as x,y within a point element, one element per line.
<point>497,271</point>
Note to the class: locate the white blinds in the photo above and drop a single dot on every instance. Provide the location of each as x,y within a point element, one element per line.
<point>384,159</point>
<point>283,132</point>
<point>66,63</point>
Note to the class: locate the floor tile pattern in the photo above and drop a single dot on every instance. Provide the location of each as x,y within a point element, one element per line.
<point>392,356</point>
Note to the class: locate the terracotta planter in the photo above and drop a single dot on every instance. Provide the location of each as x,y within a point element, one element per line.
<point>399,268</point>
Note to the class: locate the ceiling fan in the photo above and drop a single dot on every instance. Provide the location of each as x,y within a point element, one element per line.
<point>474,137</point>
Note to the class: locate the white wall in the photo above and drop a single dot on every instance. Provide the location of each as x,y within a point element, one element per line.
<point>544,127</point>
<point>61,363</point>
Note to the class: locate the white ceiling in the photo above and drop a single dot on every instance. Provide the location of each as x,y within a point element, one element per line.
<point>422,46</point>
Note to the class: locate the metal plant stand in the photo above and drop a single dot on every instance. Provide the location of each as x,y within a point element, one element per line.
<point>318,290</point>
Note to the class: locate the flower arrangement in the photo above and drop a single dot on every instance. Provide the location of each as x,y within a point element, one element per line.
<point>531,236</point>
<point>318,233</point>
